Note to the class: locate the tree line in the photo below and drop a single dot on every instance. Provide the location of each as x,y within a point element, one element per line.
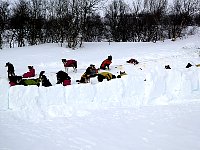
<point>33,22</point>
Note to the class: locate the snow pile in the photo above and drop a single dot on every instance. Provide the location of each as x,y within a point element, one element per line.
<point>150,87</point>
<point>4,97</point>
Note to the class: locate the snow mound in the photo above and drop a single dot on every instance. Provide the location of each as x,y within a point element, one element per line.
<point>155,87</point>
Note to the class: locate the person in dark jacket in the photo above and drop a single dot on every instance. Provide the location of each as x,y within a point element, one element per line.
<point>106,63</point>
<point>90,72</point>
<point>45,82</point>
<point>30,73</point>
<point>11,70</point>
<point>63,78</point>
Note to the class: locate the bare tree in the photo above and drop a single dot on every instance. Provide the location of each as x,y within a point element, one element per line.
<point>88,7</point>
<point>36,22</point>
<point>116,20</point>
<point>4,13</point>
<point>19,21</point>
<point>181,15</point>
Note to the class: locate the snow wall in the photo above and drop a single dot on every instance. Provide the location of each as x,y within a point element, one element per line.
<point>154,87</point>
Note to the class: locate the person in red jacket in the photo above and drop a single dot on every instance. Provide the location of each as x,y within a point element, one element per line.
<point>30,73</point>
<point>106,63</point>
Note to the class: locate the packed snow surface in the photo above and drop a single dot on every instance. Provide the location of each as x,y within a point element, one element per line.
<point>150,108</point>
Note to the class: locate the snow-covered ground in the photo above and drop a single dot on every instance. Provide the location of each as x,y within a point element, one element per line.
<point>151,108</point>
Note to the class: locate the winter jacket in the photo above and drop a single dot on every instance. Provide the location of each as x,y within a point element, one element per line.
<point>105,64</point>
<point>105,75</point>
<point>91,71</point>
<point>29,74</point>
<point>84,78</point>
<point>70,63</point>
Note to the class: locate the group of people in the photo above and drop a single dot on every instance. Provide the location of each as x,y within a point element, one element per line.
<point>62,76</point>
<point>26,78</point>
<point>92,71</point>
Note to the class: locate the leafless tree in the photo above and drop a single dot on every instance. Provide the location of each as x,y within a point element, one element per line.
<point>19,21</point>
<point>182,12</point>
<point>4,14</point>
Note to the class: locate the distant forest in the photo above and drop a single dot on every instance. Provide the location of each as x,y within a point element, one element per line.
<point>72,22</point>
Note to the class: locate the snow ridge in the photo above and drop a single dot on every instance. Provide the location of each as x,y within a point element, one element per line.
<point>154,87</point>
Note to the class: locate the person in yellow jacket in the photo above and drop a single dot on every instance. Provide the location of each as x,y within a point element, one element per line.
<point>105,75</point>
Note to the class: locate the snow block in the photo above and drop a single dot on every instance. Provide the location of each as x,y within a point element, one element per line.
<point>4,94</point>
<point>152,87</point>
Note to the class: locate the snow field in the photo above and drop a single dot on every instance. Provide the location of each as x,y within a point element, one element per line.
<point>151,108</point>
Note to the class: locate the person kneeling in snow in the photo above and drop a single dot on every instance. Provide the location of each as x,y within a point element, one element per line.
<point>106,63</point>
<point>29,74</point>
<point>105,75</point>
<point>45,82</point>
<point>64,78</point>
<point>18,80</point>
<point>90,72</point>
<point>11,69</point>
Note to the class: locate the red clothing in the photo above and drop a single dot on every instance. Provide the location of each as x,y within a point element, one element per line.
<point>66,82</point>
<point>105,64</point>
<point>70,63</point>
<point>12,83</point>
<point>29,74</point>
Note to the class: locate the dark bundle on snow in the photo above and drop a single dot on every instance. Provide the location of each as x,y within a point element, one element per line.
<point>133,61</point>
<point>45,82</point>
<point>61,76</point>
<point>167,67</point>
<point>189,65</point>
